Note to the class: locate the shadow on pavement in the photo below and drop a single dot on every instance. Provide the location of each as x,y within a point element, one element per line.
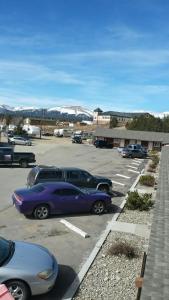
<point>13,166</point>
<point>65,278</point>
<point>117,194</point>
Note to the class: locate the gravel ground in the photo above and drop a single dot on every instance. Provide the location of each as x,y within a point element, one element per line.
<point>113,277</point>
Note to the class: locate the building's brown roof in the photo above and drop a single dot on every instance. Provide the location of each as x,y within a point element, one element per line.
<point>150,136</point>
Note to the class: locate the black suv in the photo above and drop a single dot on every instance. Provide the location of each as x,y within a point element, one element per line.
<point>102,144</point>
<point>78,177</point>
<point>77,139</point>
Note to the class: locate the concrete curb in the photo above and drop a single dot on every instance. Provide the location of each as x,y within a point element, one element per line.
<point>80,276</point>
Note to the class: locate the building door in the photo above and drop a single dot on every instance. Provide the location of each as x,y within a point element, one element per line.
<point>144,144</point>
<point>126,143</point>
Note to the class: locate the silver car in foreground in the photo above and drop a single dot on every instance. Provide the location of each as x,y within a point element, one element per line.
<point>26,269</point>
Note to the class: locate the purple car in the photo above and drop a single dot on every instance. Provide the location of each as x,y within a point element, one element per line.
<point>48,198</point>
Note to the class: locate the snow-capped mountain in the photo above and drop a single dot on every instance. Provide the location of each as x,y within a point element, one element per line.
<point>77,110</point>
<point>68,113</point>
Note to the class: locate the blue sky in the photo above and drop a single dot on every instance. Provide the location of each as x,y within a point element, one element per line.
<point>112,54</point>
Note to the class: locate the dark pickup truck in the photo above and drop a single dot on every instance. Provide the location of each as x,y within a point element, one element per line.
<point>76,176</point>
<point>9,157</point>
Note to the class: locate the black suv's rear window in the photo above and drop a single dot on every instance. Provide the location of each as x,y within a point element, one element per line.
<point>37,188</point>
<point>50,174</point>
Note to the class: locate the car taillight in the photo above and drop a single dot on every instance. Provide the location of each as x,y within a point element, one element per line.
<point>18,198</point>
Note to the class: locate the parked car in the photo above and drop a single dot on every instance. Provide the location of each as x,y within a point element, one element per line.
<point>77,139</point>
<point>137,153</point>
<point>120,149</point>
<point>137,147</point>
<point>9,157</point>
<point>76,176</point>
<point>10,133</point>
<point>102,144</point>
<point>48,198</point>
<point>19,140</point>
<point>46,133</point>
<point>26,268</point>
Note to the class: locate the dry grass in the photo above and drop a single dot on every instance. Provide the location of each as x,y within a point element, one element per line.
<point>123,248</point>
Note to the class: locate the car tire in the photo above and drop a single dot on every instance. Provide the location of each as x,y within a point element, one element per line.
<point>104,188</point>
<point>18,289</point>
<point>23,163</point>
<point>41,212</point>
<point>98,207</point>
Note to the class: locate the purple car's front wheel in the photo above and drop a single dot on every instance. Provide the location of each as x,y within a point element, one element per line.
<point>98,207</point>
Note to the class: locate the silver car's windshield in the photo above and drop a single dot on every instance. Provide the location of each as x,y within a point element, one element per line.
<point>5,250</point>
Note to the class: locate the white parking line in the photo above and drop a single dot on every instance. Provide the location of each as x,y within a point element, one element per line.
<point>116,182</point>
<point>124,176</point>
<point>137,159</point>
<point>130,170</point>
<point>136,163</point>
<point>74,228</point>
<point>132,167</point>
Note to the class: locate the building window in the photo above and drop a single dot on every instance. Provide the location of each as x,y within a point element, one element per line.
<point>156,144</point>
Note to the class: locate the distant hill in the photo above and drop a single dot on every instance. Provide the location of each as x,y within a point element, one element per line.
<point>62,113</point>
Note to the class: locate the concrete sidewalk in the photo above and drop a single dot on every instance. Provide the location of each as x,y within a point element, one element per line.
<point>137,229</point>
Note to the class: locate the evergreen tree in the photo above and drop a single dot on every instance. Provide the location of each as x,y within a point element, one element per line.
<point>148,123</point>
<point>113,122</point>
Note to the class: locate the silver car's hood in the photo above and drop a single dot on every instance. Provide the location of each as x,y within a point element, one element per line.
<point>30,257</point>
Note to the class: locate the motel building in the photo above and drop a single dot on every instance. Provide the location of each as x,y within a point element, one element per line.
<point>122,137</point>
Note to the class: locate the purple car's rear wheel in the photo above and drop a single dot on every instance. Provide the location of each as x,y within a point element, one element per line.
<point>98,207</point>
<point>41,212</point>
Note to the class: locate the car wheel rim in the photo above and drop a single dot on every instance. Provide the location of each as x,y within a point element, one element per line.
<point>16,292</point>
<point>42,212</point>
<point>98,207</point>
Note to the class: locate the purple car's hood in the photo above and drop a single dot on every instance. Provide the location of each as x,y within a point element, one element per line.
<point>30,257</point>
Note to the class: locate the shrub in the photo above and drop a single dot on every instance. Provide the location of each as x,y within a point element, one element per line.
<point>138,202</point>
<point>152,167</point>
<point>123,248</point>
<point>147,180</point>
<point>153,152</point>
<point>155,159</point>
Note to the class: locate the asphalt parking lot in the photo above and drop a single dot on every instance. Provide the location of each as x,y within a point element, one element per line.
<point>70,249</point>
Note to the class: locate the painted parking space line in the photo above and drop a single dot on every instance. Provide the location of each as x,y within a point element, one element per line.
<point>116,182</point>
<point>137,159</point>
<point>74,228</point>
<point>124,176</point>
<point>133,167</point>
<point>136,163</point>
<point>130,170</point>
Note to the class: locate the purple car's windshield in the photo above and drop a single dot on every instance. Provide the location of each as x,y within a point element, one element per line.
<point>5,250</point>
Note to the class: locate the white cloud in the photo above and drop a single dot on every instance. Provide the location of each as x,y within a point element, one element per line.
<point>122,58</point>
<point>12,98</point>
<point>124,33</point>
<point>24,71</point>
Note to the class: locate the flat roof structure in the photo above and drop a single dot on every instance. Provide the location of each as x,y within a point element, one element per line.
<point>150,136</point>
